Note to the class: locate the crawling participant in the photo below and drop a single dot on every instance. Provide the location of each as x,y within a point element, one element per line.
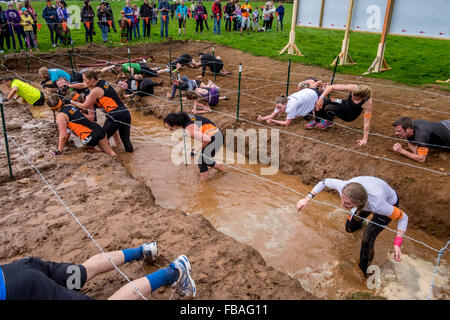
<point>69,117</point>
<point>201,129</point>
<point>215,64</point>
<point>52,75</point>
<point>182,61</point>
<point>27,92</point>
<point>136,68</point>
<point>209,93</point>
<point>186,85</point>
<point>138,86</point>
<point>366,195</point>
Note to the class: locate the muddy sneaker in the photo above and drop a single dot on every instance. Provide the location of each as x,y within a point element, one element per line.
<point>185,285</point>
<point>150,251</point>
<point>324,124</point>
<point>310,125</point>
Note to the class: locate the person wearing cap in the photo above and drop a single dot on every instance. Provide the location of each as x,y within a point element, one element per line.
<point>366,195</point>
<point>50,16</point>
<point>27,92</point>
<point>26,21</point>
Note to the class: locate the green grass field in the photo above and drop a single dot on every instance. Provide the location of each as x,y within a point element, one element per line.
<point>414,61</point>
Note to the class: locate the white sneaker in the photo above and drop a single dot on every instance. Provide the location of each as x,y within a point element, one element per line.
<point>1,51</point>
<point>54,45</point>
<point>185,285</point>
<point>150,251</point>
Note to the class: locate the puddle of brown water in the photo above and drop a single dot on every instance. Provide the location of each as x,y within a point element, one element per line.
<point>312,247</point>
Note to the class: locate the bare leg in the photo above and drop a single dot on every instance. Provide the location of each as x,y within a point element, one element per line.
<point>127,292</point>
<point>99,263</point>
<point>219,167</point>
<point>200,108</point>
<point>204,176</point>
<point>106,148</point>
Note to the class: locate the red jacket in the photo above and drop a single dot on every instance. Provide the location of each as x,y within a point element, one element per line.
<point>217,9</point>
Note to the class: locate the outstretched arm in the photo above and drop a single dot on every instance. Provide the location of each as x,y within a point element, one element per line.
<point>281,123</point>
<point>419,154</point>
<point>367,118</point>
<point>270,116</point>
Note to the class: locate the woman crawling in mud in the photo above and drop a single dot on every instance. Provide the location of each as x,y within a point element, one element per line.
<point>204,130</point>
<point>69,117</point>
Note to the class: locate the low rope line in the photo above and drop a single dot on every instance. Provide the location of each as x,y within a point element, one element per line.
<point>441,253</point>
<point>280,185</point>
<point>73,215</point>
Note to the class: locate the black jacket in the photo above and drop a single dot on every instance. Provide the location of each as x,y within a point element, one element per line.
<point>146,10</point>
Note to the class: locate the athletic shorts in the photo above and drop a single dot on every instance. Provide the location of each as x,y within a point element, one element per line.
<point>245,22</point>
<point>212,96</point>
<point>94,138</point>
<point>41,101</point>
<point>34,279</point>
<point>209,151</point>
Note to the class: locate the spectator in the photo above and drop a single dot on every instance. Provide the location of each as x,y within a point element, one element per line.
<point>237,17</point>
<point>26,21</point>
<point>32,13</point>
<point>164,8</point>
<point>199,12</point>
<point>64,18</point>
<point>15,29</point>
<point>129,15</point>
<point>51,19</point>
<point>181,13</point>
<point>136,21</point>
<point>87,17</point>
<point>246,10</point>
<point>255,15</point>
<point>280,14</point>
<point>228,9</point>
<point>205,17</point>
<point>103,18</point>
<point>266,17</point>
<point>173,8</point>
<point>271,12</point>
<point>123,24</point>
<point>111,14</point>
<point>217,14</point>
<point>154,13</point>
<point>147,15</point>
<point>4,32</point>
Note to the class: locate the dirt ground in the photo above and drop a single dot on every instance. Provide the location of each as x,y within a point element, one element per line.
<point>123,212</point>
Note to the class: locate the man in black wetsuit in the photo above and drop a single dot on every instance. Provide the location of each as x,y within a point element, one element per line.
<point>421,135</point>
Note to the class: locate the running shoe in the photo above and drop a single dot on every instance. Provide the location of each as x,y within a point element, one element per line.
<point>311,124</point>
<point>185,285</point>
<point>324,124</point>
<point>150,251</point>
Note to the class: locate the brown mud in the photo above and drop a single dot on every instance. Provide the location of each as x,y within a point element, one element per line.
<point>424,195</point>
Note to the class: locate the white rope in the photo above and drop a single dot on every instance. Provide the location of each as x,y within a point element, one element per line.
<point>73,215</point>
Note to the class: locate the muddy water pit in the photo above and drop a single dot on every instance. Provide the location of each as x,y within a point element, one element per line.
<point>312,247</point>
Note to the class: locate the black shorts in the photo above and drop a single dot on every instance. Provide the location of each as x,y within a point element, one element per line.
<point>41,100</point>
<point>94,138</point>
<point>209,151</point>
<point>34,279</point>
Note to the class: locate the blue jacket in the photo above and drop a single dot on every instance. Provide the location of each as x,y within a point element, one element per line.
<point>280,10</point>
<point>129,13</point>
<point>50,12</point>
<point>181,10</point>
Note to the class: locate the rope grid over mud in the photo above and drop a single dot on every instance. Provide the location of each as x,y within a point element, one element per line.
<point>440,252</point>
<point>296,134</point>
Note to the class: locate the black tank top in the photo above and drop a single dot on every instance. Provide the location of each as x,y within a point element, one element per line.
<point>78,123</point>
<point>110,99</point>
<point>356,108</point>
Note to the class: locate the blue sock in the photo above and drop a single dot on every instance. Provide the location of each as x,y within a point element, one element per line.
<point>163,277</point>
<point>133,254</point>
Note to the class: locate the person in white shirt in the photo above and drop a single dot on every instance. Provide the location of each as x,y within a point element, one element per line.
<point>366,195</point>
<point>298,104</point>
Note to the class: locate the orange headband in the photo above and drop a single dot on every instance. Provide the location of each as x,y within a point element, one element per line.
<point>75,97</point>
<point>57,106</point>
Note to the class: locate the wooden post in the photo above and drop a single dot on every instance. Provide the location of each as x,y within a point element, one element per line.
<point>322,7</point>
<point>344,56</point>
<point>291,46</point>
<point>379,64</point>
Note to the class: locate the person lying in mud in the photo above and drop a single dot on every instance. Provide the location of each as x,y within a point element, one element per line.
<point>421,136</point>
<point>136,68</point>
<point>69,117</point>
<point>184,60</point>
<point>366,195</point>
<point>208,93</point>
<point>186,85</point>
<point>102,95</point>
<point>32,278</point>
<point>53,74</point>
<point>215,64</point>
<point>359,100</point>
<point>138,86</point>
<point>203,130</point>
<point>23,90</point>
<point>298,104</point>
